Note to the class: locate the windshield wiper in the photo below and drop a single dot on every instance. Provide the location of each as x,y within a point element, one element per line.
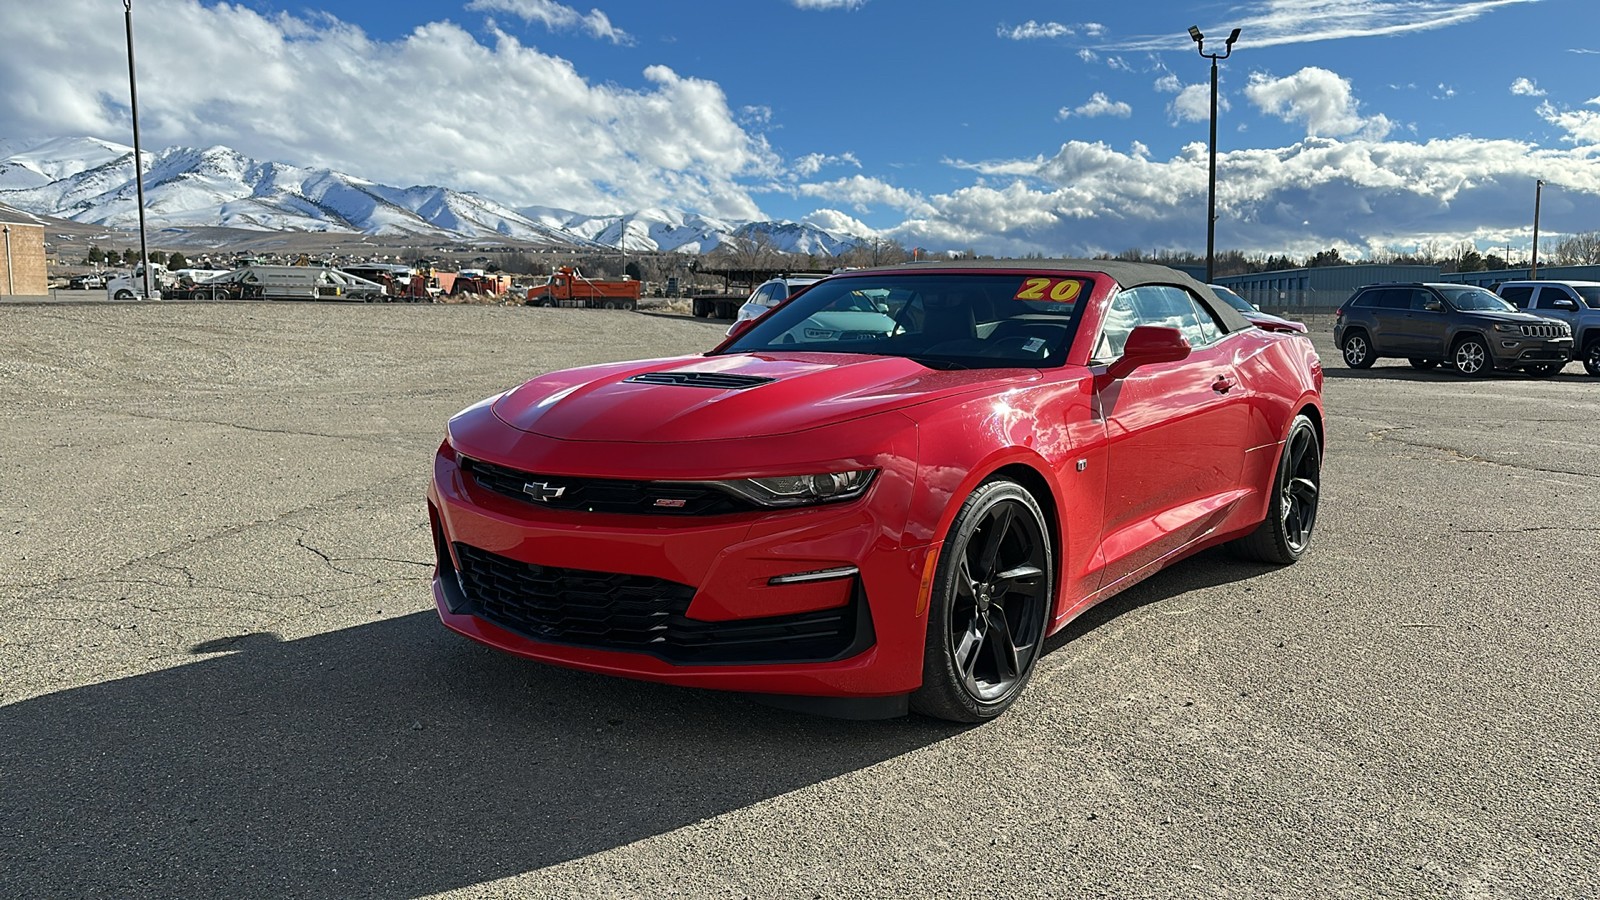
<point>934,362</point>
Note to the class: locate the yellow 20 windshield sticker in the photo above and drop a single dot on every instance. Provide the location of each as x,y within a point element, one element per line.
<point>1051,290</point>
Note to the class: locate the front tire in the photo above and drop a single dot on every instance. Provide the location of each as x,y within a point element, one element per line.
<point>1471,356</point>
<point>1283,536</point>
<point>124,294</point>
<point>1591,357</point>
<point>1357,350</point>
<point>991,602</point>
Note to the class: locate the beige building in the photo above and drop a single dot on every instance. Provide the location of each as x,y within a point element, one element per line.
<point>22,266</point>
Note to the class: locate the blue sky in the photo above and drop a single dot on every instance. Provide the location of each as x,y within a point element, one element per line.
<point>1017,127</point>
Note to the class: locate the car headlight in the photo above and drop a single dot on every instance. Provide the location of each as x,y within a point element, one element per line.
<point>1509,329</point>
<point>799,490</point>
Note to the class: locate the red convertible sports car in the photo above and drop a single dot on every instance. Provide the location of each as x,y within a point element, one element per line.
<point>892,508</point>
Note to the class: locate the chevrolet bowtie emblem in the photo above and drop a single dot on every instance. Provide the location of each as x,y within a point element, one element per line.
<point>542,492</point>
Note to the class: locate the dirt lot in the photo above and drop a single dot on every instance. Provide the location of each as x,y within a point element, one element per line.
<point>222,675</point>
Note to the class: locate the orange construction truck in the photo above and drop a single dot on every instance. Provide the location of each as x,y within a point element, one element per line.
<point>568,288</point>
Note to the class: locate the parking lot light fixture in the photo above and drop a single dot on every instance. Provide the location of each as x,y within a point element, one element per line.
<point>1211,193</point>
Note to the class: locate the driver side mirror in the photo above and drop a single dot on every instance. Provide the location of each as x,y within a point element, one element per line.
<point>1565,303</point>
<point>1146,345</point>
<point>1433,305</point>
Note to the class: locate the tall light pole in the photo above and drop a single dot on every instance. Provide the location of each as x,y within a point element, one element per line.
<point>1211,201</point>
<point>138,158</point>
<point>1538,190</point>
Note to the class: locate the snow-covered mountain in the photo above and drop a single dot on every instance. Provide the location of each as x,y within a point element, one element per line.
<point>91,181</point>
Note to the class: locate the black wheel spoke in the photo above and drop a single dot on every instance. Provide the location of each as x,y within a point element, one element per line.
<point>1020,580</point>
<point>1304,490</point>
<point>1003,649</point>
<point>968,651</point>
<point>999,525</point>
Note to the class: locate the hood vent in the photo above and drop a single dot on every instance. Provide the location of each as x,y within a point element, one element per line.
<point>720,381</point>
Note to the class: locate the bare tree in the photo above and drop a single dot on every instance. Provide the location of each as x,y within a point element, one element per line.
<point>878,251</point>
<point>1575,250</point>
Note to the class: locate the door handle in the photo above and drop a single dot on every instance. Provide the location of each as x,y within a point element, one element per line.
<point>1222,385</point>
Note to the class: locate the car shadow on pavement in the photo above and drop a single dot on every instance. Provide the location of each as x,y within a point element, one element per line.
<point>391,759</point>
<point>1209,568</point>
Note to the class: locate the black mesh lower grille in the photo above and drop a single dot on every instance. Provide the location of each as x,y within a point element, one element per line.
<point>604,495</point>
<point>646,615</point>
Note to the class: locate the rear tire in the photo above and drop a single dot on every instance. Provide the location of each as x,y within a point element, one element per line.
<point>1357,350</point>
<point>992,595</point>
<point>1283,536</point>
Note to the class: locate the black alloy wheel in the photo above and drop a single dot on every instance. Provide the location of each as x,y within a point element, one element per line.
<point>1591,357</point>
<point>1283,536</point>
<point>990,606</point>
<point>1357,352</point>
<point>1423,365</point>
<point>1471,356</point>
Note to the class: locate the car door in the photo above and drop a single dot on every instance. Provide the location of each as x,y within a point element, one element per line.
<point>1176,433</point>
<point>1544,304</point>
<point>1428,330</point>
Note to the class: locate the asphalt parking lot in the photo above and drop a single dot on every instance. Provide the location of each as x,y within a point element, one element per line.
<point>222,675</point>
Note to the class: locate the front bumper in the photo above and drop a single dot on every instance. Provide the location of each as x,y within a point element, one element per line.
<point>689,600</point>
<point>1511,351</point>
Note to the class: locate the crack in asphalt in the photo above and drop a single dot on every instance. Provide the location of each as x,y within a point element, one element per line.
<point>1385,435</point>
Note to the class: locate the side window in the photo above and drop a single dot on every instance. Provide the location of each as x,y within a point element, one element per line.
<point>1548,295</point>
<point>1368,299</point>
<point>763,295</point>
<point>1419,300</point>
<point>1119,323</point>
<point>1519,296</point>
<point>1210,329</point>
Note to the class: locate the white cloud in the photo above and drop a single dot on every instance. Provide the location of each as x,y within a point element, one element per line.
<point>557,17</point>
<point>812,163</point>
<point>1168,84</point>
<point>1031,30</point>
<point>827,4</point>
<point>1101,105</point>
<point>1321,99</point>
<point>1193,104</point>
<point>1581,125</point>
<point>837,223</point>
<point>1270,23</point>
<point>436,106</point>
<point>1088,55</point>
<point>1359,195</point>
<point>1526,87</point>
<point>864,193</point>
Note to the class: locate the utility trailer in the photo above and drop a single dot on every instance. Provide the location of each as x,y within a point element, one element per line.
<point>401,283</point>
<point>298,283</point>
<point>568,288</point>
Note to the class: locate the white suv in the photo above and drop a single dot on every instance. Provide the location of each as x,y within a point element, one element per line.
<point>770,294</point>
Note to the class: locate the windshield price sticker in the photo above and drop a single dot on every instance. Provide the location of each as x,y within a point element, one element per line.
<point>1050,290</point>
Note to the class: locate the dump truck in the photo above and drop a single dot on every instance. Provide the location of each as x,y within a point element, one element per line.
<point>568,288</point>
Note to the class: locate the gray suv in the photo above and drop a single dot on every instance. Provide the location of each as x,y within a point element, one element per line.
<point>1575,302</point>
<point>1459,325</point>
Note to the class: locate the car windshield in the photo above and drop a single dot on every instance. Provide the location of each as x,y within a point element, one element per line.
<point>1234,300</point>
<point>1590,294</point>
<point>942,320</point>
<point>1475,299</point>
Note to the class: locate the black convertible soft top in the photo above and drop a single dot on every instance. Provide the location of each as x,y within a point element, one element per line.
<point>1125,274</point>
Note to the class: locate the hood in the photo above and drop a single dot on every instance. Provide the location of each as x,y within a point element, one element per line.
<point>1513,316</point>
<point>700,398</point>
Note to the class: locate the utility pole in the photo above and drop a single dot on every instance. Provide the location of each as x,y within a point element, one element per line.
<point>1538,190</point>
<point>138,158</point>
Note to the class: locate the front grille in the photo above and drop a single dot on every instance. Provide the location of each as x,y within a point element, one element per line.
<point>605,495</point>
<point>639,614</point>
<point>717,380</point>
<point>1551,330</point>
